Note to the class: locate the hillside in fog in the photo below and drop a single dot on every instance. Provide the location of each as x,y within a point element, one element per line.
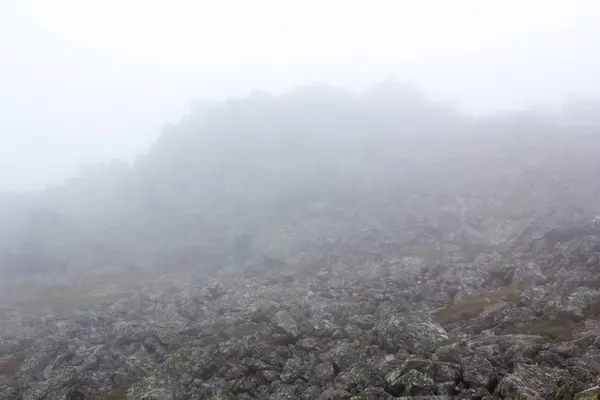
<point>287,175</point>
<point>321,244</point>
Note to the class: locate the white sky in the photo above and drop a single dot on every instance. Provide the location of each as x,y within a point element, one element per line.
<point>87,80</point>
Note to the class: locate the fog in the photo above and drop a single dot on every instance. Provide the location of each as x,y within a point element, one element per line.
<point>88,82</point>
<point>299,200</point>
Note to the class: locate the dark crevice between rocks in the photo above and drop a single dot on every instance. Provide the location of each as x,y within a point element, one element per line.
<point>397,390</point>
<point>336,369</point>
<point>492,384</point>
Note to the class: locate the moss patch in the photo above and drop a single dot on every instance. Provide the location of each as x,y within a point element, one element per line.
<point>10,366</point>
<point>471,306</point>
<point>119,393</point>
<point>555,330</point>
<point>86,291</point>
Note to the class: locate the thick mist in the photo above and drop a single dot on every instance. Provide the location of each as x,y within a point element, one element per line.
<point>322,201</point>
<point>295,172</point>
<point>74,92</point>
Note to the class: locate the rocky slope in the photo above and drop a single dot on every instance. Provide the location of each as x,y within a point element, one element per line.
<point>520,325</point>
<point>313,246</point>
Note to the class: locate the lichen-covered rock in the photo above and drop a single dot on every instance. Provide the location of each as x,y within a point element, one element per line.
<point>415,334</point>
<point>373,393</point>
<point>344,356</point>
<point>477,371</point>
<point>358,378</point>
<point>324,373</point>
<point>221,395</point>
<point>529,274</point>
<point>446,372</point>
<point>389,363</point>
<point>284,321</point>
<point>533,298</point>
<point>449,353</point>
<point>526,382</point>
<point>412,383</point>
<point>159,394</point>
<point>570,307</point>
<point>446,388</point>
<point>335,394</point>
<point>592,393</point>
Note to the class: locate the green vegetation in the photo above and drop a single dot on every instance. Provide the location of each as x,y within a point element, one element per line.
<point>89,291</point>
<point>472,306</point>
<point>119,393</point>
<point>555,330</point>
<point>10,365</point>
